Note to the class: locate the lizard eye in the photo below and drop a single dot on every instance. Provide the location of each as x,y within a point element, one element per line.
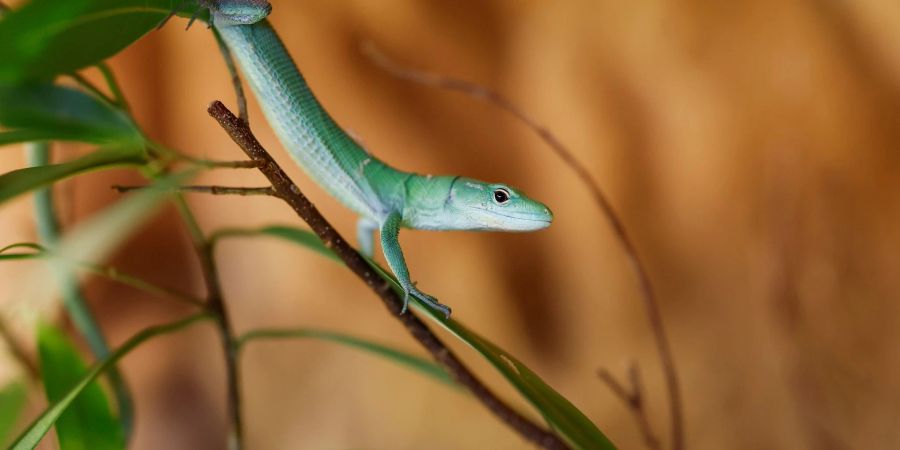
<point>501,195</point>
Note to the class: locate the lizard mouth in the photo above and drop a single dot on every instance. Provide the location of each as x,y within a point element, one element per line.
<point>545,222</point>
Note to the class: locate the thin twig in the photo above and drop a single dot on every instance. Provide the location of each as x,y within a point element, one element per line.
<point>216,305</point>
<point>235,78</point>
<point>210,164</point>
<point>290,193</point>
<point>113,85</point>
<point>651,305</point>
<point>111,273</point>
<point>87,85</point>
<point>214,190</point>
<point>633,398</point>
<point>169,154</point>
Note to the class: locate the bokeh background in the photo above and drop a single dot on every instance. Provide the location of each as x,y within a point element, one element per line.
<point>750,148</point>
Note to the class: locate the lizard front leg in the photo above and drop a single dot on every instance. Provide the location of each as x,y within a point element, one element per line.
<point>390,245</point>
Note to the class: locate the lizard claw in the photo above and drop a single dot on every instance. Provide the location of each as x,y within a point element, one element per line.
<point>405,301</point>
<point>428,300</point>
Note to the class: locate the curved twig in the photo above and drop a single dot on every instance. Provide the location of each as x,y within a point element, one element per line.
<point>633,397</point>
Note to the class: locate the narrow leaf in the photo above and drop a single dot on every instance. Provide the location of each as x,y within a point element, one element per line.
<point>21,181</point>
<point>36,431</point>
<point>560,413</point>
<point>12,402</point>
<point>39,111</point>
<point>49,231</point>
<point>20,136</point>
<point>416,363</point>
<point>88,423</point>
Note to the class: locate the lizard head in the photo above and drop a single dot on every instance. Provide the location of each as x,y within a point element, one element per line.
<point>491,206</point>
<point>238,12</point>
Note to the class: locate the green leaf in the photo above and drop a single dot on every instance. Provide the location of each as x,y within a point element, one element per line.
<point>30,438</point>
<point>416,363</point>
<point>49,112</point>
<point>12,402</point>
<point>24,180</point>
<point>19,136</point>
<point>45,38</point>
<point>560,413</point>
<point>88,423</point>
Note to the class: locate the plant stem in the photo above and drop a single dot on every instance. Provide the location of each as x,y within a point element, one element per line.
<point>214,190</point>
<point>111,273</point>
<point>110,77</point>
<point>238,130</point>
<point>49,233</point>
<point>87,85</point>
<point>633,398</point>
<point>215,304</point>
<point>235,78</point>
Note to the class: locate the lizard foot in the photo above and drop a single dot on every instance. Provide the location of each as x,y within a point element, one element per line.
<point>428,300</point>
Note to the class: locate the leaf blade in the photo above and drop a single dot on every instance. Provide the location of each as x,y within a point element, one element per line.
<point>89,422</point>
<point>416,363</point>
<point>39,111</point>
<point>12,403</point>
<point>46,38</point>
<point>24,180</point>
<point>30,438</point>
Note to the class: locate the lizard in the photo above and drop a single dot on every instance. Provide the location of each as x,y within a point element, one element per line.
<point>386,199</point>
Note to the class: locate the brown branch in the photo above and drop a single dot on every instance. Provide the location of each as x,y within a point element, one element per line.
<point>651,305</point>
<point>288,191</point>
<point>222,164</point>
<point>633,397</point>
<point>214,190</point>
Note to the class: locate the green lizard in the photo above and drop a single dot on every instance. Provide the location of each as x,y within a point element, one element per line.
<point>385,198</point>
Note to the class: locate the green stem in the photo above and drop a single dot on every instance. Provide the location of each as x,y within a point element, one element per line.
<point>169,155</point>
<point>235,78</point>
<point>113,85</point>
<point>215,304</point>
<point>49,231</point>
<point>422,365</point>
<point>87,85</point>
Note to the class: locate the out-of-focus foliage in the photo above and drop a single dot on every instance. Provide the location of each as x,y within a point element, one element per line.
<point>46,38</point>
<point>88,423</point>
<point>23,180</point>
<point>36,431</point>
<point>12,402</point>
<point>36,112</point>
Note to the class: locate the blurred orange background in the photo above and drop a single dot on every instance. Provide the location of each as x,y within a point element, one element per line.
<point>749,147</point>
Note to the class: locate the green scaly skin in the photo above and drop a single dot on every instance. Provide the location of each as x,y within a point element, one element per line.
<point>385,198</point>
